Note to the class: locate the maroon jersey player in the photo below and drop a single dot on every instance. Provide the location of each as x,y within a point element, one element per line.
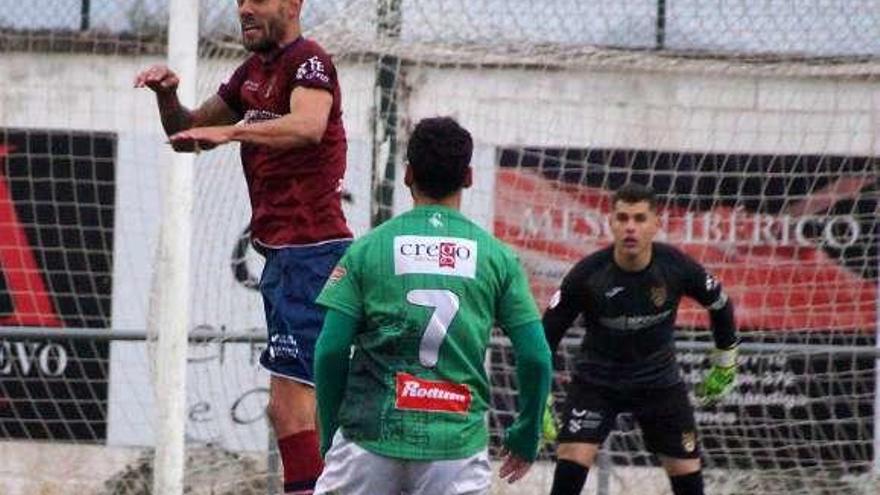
<point>283,105</point>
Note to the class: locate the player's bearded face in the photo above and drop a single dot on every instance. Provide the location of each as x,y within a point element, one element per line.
<point>634,226</point>
<point>263,26</point>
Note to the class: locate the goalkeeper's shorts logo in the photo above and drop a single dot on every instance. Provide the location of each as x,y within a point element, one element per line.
<point>689,441</point>
<point>416,394</point>
<point>584,419</point>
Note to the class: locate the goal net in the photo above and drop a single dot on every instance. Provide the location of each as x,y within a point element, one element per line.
<point>756,124</point>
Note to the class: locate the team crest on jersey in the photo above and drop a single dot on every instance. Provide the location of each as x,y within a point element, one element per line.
<point>415,394</point>
<point>337,274</point>
<point>451,256</point>
<point>711,282</point>
<point>689,441</point>
<point>658,295</point>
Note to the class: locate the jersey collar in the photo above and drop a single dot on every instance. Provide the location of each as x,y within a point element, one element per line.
<point>278,51</point>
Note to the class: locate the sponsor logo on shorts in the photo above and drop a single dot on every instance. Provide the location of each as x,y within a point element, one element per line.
<point>583,419</point>
<point>282,346</point>
<point>452,256</point>
<point>416,394</point>
<point>689,441</point>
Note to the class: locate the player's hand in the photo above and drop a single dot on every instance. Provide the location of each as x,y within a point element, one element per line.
<point>159,78</point>
<point>513,467</point>
<point>549,424</point>
<point>721,377</point>
<point>201,138</point>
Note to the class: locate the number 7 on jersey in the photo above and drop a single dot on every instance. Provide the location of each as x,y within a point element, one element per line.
<point>445,304</point>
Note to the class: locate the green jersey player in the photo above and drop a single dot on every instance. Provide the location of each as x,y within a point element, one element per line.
<point>416,299</point>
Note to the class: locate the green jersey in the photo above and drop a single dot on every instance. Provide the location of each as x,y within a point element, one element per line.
<point>427,288</point>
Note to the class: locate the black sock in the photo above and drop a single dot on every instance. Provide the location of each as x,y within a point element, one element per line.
<point>687,484</point>
<point>569,478</point>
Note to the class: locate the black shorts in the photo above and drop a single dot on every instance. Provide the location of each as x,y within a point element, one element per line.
<point>665,416</point>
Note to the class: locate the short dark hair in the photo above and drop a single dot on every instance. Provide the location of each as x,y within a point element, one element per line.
<point>439,152</point>
<point>632,192</point>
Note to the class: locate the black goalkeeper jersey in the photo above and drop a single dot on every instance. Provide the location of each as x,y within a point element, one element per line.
<point>630,316</point>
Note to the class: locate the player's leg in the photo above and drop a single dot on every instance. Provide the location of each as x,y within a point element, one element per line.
<point>573,463</point>
<point>667,421</point>
<point>352,470</point>
<point>291,281</point>
<point>292,414</point>
<point>685,475</point>
<point>469,476</point>
<point>587,418</point>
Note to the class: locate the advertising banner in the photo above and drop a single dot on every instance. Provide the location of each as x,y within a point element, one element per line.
<point>56,260</point>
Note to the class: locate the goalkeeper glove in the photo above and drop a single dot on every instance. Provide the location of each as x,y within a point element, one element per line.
<point>721,377</point>
<point>549,429</point>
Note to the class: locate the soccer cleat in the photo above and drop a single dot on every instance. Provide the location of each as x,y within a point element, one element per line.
<point>549,428</point>
<point>721,377</point>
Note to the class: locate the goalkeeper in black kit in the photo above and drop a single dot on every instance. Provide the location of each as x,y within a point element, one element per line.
<point>628,296</point>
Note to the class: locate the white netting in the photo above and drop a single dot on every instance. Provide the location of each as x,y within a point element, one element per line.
<point>756,121</point>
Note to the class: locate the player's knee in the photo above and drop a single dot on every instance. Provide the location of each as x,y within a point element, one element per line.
<point>580,453</point>
<point>680,467</point>
<point>289,418</point>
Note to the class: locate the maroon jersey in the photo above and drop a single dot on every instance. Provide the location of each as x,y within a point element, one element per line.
<point>295,193</point>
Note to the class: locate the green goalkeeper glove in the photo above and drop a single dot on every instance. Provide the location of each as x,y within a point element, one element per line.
<point>549,430</point>
<point>721,377</point>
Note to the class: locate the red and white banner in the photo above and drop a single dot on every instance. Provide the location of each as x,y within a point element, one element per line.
<point>794,269</point>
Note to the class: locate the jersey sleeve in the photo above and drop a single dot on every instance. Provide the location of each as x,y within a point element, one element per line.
<point>704,288</point>
<point>230,91</point>
<point>564,307</point>
<point>314,69</point>
<point>342,291</point>
<point>516,306</point>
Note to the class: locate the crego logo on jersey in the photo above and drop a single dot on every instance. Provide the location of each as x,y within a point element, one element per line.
<point>416,394</point>
<point>435,255</point>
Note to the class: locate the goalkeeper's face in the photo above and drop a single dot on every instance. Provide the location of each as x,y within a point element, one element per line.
<point>264,23</point>
<point>634,226</point>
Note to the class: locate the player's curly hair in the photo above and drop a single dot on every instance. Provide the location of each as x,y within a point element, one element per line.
<point>439,152</point>
<point>633,192</point>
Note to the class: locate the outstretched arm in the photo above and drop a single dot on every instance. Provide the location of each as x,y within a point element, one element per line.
<point>303,126</point>
<point>176,117</point>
